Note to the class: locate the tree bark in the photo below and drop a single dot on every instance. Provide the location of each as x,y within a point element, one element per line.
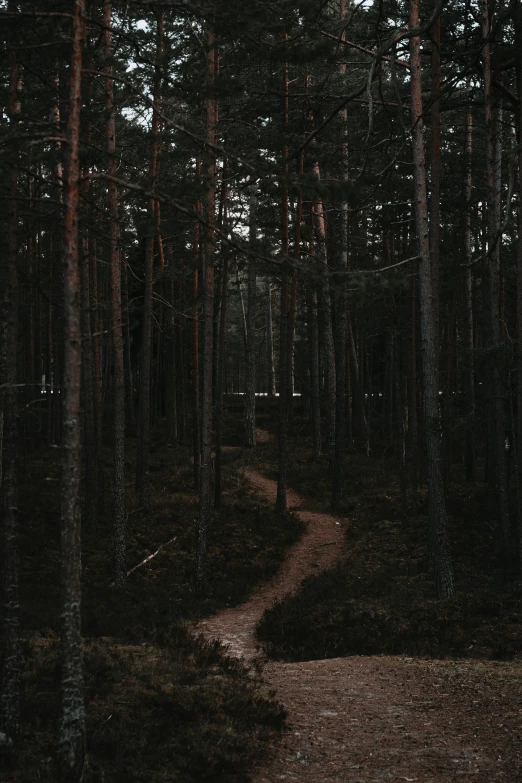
<point>496,472</point>
<point>72,725</point>
<point>208,318</point>
<point>518,43</point>
<point>221,380</point>
<point>325,319</point>
<point>469,370</point>
<point>120,569</point>
<point>143,470</point>
<point>280,505</point>
<point>435,177</point>
<point>250,364</point>
<point>438,537</point>
<point>270,360</point>
<point>338,487</point>
<point>10,695</point>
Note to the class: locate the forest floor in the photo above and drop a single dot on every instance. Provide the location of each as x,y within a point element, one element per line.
<point>374,718</point>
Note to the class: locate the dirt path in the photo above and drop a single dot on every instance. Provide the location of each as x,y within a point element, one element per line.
<point>318,548</point>
<point>362,719</point>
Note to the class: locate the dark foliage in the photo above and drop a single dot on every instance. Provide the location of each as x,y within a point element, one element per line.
<point>380,599</point>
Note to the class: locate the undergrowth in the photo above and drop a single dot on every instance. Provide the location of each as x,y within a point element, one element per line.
<point>381,598</point>
<point>160,705</point>
<point>178,710</point>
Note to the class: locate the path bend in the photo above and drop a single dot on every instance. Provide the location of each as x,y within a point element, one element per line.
<point>375,718</point>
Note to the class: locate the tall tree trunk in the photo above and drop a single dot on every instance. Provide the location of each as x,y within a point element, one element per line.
<point>280,505</point>
<point>469,370</point>
<point>435,178</point>
<point>518,43</point>
<point>497,476</point>
<point>128,360</point>
<point>97,352</point>
<point>325,319</point>
<point>9,698</point>
<point>143,470</point>
<point>438,537</point>
<point>72,725</point>
<point>91,456</point>
<point>314,364</point>
<point>195,363</point>
<point>338,487</point>
<point>116,318</point>
<point>250,364</point>
<point>221,380</point>
<point>270,361</point>
<point>89,423</point>
<point>208,318</point>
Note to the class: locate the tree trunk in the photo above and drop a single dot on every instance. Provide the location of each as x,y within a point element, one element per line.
<point>143,470</point>
<point>280,505</point>
<point>497,476</point>
<point>208,320</point>
<point>518,43</point>
<point>270,360</point>
<point>314,369</point>
<point>116,320</point>
<point>435,177</point>
<point>9,699</point>
<point>195,364</point>
<point>221,380</point>
<point>469,370</point>
<point>325,319</point>
<point>89,422</point>
<point>438,537</point>
<point>250,364</point>
<point>72,725</point>
<point>338,487</point>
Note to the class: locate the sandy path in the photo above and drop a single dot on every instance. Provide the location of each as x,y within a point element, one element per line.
<point>366,719</point>
<point>318,548</point>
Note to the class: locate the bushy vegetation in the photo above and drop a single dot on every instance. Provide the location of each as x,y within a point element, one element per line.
<point>380,600</point>
<point>161,705</point>
<point>178,710</point>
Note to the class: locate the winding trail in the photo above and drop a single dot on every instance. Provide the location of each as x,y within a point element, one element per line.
<point>362,719</point>
<point>319,547</point>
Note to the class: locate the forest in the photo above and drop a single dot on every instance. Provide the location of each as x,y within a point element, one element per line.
<point>261,390</point>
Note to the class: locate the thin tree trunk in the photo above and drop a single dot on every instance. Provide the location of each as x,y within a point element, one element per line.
<point>208,319</point>
<point>10,695</point>
<point>497,477</point>
<point>314,372</point>
<point>270,360</point>
<point>128,360</point>
<point>120,569</point>
<point>250,364</point>
<point>143,469</point>
<point>435,177</point>
<point>220,381</point>
<point>97,353</point>
<point>438,537</point>
<point>89,422</point>
<point>280,505</point>
<point>195,363</point>
<point>518,43</point>
<point>91,456</point>
<point>325,319</point>
<point>338,487</point>
<point>469,370</point>
<point>72,725</point>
